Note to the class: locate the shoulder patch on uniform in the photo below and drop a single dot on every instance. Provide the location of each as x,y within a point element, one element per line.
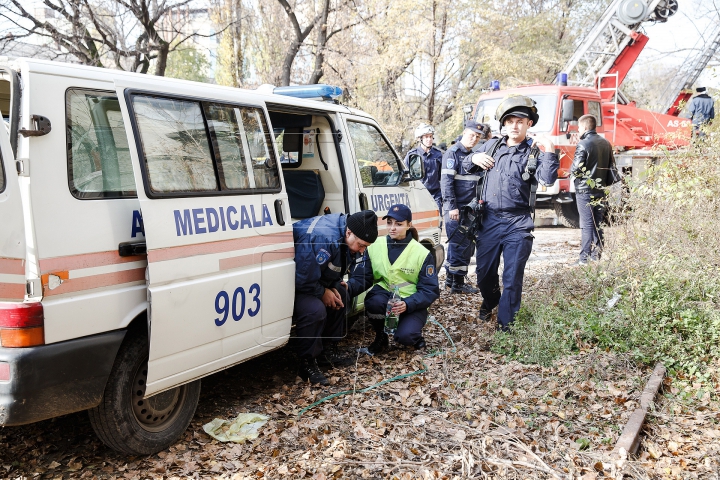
<point>430,270</point>
<point>450,163</point>
<point>322,256</point>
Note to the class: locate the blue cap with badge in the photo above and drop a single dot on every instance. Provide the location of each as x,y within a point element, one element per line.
<point>399,212</point>
<point>474,126</point>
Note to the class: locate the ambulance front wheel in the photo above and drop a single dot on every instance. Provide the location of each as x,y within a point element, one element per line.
<point>129,423</point>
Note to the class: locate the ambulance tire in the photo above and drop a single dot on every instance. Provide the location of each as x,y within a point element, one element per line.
<point>567,214</point>
<point>121,419</point>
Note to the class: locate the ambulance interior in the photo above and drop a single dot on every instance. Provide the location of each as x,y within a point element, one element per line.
<point>310,163</point>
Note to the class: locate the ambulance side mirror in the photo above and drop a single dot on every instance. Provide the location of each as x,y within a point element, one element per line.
<point>416,168</point>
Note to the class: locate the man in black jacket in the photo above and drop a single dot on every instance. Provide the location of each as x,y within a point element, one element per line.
<point>590,168</point>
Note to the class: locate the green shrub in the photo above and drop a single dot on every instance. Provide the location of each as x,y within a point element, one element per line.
<point>662,256</point>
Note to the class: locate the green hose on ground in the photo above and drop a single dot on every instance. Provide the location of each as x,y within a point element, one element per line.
<point>431,319</point>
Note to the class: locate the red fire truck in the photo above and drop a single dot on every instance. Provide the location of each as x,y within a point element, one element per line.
<point>591,86</point>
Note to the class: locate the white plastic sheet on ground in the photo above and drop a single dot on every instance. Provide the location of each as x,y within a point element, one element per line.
<point>244,427</point>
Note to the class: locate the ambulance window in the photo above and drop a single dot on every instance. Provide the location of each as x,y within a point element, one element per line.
<point>174,144</point>
<point>377,161</point>
<point>99,164</point>
<point>241,146</point>
<point>594,109</point>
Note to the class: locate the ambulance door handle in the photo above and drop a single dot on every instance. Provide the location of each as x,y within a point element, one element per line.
<point>363,201</point>
<point>132,249</point>
<point>279,212</point>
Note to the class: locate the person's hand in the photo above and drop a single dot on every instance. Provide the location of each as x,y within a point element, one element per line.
<point>399,308</point>
<point>338,299</point>
<point>483,160</point>
<point>331,298</point>
<point>544,142</point>
<point>344,285</point>
<point>454,214</point>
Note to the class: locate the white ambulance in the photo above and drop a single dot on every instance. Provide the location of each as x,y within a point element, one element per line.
<point>146,234</point>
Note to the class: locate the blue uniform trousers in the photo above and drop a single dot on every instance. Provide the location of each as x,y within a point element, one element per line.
<point>591,233</point>
<point>510,236</point>
<point>459,249</point>
<point>314,322</point>
<point>410,325</point>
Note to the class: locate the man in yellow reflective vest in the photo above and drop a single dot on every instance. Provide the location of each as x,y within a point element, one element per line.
<point>398,259</point>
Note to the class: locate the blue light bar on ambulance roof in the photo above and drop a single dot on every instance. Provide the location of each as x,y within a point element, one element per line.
<point>495,85</point>
<point>326,92</point>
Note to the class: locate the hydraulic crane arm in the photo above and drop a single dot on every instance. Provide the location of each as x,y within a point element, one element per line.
<point>677,94</point>
<point>614,43</point>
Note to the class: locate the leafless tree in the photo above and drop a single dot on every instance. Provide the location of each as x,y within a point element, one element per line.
<point>127,34</point>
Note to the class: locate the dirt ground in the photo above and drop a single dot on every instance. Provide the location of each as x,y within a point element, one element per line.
<point>470,414</point>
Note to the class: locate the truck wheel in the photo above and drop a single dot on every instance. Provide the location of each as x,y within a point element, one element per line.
<point>567,214</point>
<point>131,424</point>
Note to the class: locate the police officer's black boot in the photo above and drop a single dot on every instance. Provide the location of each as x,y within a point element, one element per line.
<point>420,344</point>
<point>331,356</point>
<point>449,280</point>
<point>309,370</point>
<point>459,286</point>
<point>380,344</point>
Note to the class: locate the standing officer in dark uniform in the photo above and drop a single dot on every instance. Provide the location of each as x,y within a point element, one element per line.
<point>326,248</point>
<point>592,160</point>
<point>432,158</point>
<point>458,189</point>
<point>508,225</point>
<point>702,110</point>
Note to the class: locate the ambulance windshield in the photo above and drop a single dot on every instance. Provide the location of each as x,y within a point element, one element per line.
<point>546,105</point>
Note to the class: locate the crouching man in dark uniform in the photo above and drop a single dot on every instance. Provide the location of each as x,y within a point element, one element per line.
<point>508,225</point>
<point>326,248</point>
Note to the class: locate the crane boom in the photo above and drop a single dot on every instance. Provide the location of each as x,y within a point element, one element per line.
<point>676,94</point>
<point>605,48</point>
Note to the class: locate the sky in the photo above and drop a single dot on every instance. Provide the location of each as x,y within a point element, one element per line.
<point>682,33</point>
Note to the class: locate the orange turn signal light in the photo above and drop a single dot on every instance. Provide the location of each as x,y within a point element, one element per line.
<point>22,337</point>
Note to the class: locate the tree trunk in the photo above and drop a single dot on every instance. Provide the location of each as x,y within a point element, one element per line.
<point>321,43</point>
<point>161,61</point>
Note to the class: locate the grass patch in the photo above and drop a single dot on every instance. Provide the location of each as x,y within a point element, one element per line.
<point>662,257</point>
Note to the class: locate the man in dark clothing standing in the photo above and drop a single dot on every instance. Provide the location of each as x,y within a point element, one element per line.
<point>432,158</point>
<point>458,189</point>
<point>326,248</point>
<point>702,110</point>
<point>591,167</point>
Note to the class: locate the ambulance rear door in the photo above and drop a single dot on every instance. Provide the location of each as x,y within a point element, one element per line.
<point>217,226</point>
<point>12,231</point>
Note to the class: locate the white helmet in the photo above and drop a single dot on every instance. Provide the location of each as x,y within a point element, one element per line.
<point>424,129</point>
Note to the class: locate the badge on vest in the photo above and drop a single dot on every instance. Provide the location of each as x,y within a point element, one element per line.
<point>450,163</point>
<point>322,256</point>
<point>430,270</point>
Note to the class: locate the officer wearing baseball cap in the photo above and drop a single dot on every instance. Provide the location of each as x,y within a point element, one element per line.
<point>506,189</point>
<point>326,249</point>
<point>398,259</point>
<point>458,189</point>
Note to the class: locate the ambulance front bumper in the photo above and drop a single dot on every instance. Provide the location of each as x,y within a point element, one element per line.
<point>43,382</point>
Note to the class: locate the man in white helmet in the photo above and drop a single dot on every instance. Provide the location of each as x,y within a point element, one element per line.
<point>432,158</point>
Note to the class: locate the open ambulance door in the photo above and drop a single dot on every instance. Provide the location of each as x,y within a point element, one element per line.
<point>12,232</point>
<point>217,227</point>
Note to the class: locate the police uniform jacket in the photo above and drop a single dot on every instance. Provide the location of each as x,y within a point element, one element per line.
<point>505,192</point>
<point>593,155</point>
<point>322,258</point>
<point>433,164</point>
<point>458,184</point>
<point>428,289</point>
<point>702,109</point>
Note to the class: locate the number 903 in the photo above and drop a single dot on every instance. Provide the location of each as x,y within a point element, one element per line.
<point>225,307</point>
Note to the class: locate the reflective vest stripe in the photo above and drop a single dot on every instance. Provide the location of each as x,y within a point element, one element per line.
<point>312,225</point>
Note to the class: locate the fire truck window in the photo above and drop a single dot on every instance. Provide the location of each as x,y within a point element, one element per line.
<point>578,110</point>
<point>594,109</point>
